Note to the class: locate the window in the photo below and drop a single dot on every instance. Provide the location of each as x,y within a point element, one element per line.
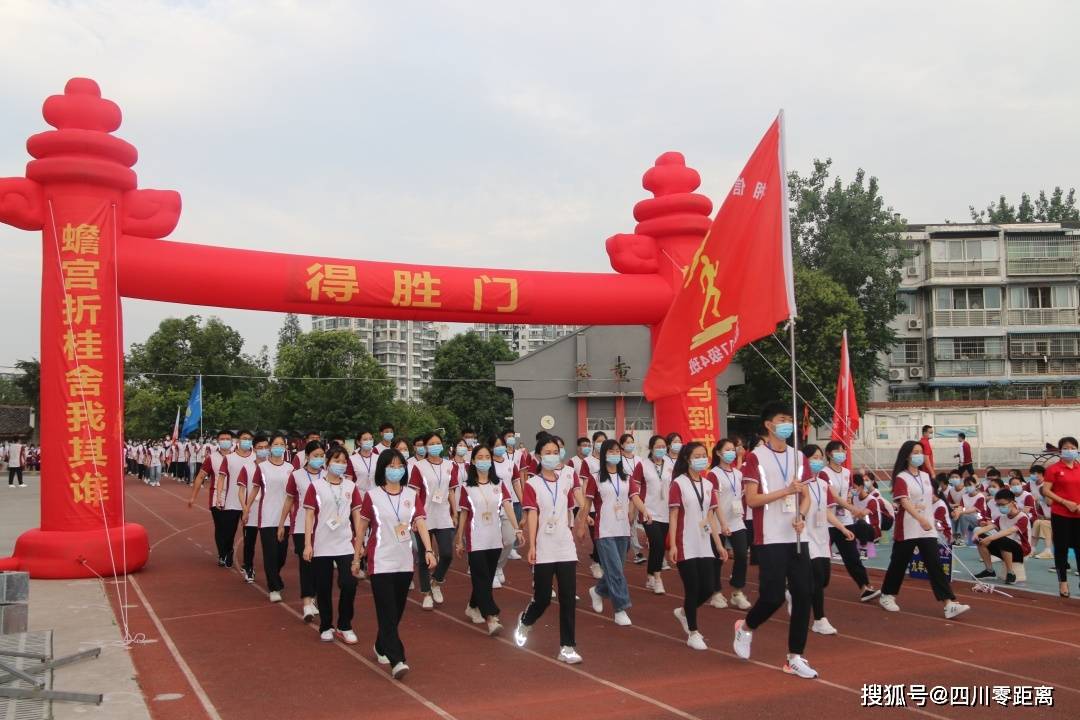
<point>1042,296</point>
<point>960,249</point>
<point>907,352</point>
<point>908,305</point>
<point>968,348</point>
<point>988,298</point>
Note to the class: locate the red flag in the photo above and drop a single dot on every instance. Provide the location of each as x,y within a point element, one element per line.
<point>176,425</point>
<point>738,286</point>
<point>846,409</point>
<point>804,429</point>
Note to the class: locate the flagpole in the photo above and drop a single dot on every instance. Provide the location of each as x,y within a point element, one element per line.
<point>200,407</point>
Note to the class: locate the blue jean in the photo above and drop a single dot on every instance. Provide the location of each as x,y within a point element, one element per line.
<point>155,474</point>
<point>612,552</point>
<point>965,525</point>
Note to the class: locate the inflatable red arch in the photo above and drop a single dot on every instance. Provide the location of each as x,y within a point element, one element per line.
<point>101,240</point>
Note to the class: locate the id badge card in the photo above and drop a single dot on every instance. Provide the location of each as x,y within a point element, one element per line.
<point>704,525</point>
<point>333,523</point>
<point>819,519</point>
<point>920,507</point>
<point>437,497</point>
<point>486,517</point>
<point>620,511</point>
<point>401,532</point>
<point>736,507</point>
<point>549,527</point>
<point>789,503</point>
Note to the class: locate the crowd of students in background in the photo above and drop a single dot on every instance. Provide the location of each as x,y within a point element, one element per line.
<point>19,457</point>
<point>396,512</point>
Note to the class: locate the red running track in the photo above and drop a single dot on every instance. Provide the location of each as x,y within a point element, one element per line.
<point>228,653</point>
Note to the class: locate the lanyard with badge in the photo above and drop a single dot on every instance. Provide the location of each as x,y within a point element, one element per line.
<point>553,521</point>
<point>338,497</point>
<point>401,530</point>
<point>789,500</point>
<point>920,506</point>
<point>736,501</point>
<point>437,496</point>
<point>660,478</point>
<point>487,516</point>
<point>819,509</point>
<point>703,523</point>
<point>620,506</point>
<point>367,466</point>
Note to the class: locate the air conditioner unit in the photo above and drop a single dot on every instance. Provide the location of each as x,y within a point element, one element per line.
<point>896,374</point>
<point>912,271</point>
<point>915,372</point>
<point>915,324</point>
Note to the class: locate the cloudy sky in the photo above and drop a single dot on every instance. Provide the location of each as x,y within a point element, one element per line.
<point>515,134</point>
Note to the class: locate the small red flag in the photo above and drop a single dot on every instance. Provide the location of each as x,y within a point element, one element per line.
<point>846,409</point>
<point>738,286</point>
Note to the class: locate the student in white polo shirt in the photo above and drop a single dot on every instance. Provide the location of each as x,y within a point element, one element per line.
<point>727,478</point>
<point>433,476</point>
<point>296,490</point>
<point>224,499</point>
<point>548,500</point>
<point>331,529</point>
<point>484,504</point>
<point>774,474</point>
<point>503,467</point>
<point>264,505</point>
<point>839,478</point>
<point>392,515</point>
<point>654,478</point>
<point>913,496</point>
<point>362,461</point>
<point>820,521</point>
<point>1008,537</point>
<point>386,439</point>
<point>249,493</point>
<point>694,528</point>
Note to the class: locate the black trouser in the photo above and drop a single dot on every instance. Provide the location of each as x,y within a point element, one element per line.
<point>1066,532</point>
<point>698,582</point>
<point>738,540</point>
<point>251,533</point>
<point>750,538</point>
<point>898,565</point>
<point>482,566</point>
<point>274,553</point>
<point>849,553</point>
<point>656,532</point>
<point>324,590</point>
<point>543,577</point>
<point>782,568</point>
<point>307,573</point>
<point>443,545</point>
<point>718,566</point>
<point>12,473</point>
<point>821,569</point>
<point>225,524</point>
<point>390,592</point>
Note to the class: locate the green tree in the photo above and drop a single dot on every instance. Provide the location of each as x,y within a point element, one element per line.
<point>29,382</point>
<point>1058,207</point>
<point>290,332</point>
<point>464,382</point>
<point>413,419</point>
<point>11,393</point>
<point>331,406</point>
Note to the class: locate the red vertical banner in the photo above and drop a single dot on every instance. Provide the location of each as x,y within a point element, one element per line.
<point>846,407</point>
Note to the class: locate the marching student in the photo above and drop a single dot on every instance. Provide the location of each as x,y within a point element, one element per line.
<point>1061,487</point>
<point>362,461</point>
<point>224,499</point>
<point>240,459</point>
<point>728,481</point>
<point>295,491</point>
<point>432,477</point>
<point>839,479</point>
<point>331,528</point>
<point>820,521</point>
<point>774,474</point>
<point>394,514</point>
<point>248,493</point>
<point>674,445</point>
<point>591,468</point>
<point>503,468</point>
<point>580,461</point>
<point>631,462</point>
<point>484,498</point>
<point>419,452</point>
<point>1008,538</point>
<point>613,493</point>
<point>692,521</point>
<point>548,500</point>
<point>269,486</point>
<point>460,461</point>
<point>655,482</point>
<point>913,495</point>
<point>300,458</point>
<point>592,464</point>
<point>386,439</point>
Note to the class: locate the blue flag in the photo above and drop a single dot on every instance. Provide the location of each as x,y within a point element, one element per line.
<point>193,415</point>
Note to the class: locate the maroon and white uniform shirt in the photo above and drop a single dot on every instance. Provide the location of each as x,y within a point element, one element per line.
<point>1021,524</point>
<point>654,481</point>
<point>240,466</point>
<point>435,483</point>
<point>772,471</point>
<point>390,522</point>
<point>817,519</point>
<point>552,501</point>
<point>840,484</point>
<point>333,504</point>
<point>942,520</point>
<point>977,501</point>
<point>729,493</point>
<point>483,526</point>
<point>611,499</point>
<point>695,500</point>
<point>271,482</point>
<point>919,492</point>
<point>504,470</point>
<point>297,487</point>
<point>223,493</point>
<point>363,470</point>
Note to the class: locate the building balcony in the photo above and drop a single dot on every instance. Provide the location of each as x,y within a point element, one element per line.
<point>1042,266</point>
<point>1043,316</point>
<point>968,368</point>
<point>967,318</point>
<point>1047,366</point>
<point>963,268</point>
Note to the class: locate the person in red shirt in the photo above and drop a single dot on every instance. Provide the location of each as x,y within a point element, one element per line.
<point>928,450</point>
<point>964,455</point>
<point>1061,487</point>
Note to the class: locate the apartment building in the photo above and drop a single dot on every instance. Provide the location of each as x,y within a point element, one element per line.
<point>524,339</point>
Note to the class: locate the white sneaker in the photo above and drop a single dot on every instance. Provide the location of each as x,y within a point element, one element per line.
<point>436,593</point>
<point>412,585</point>
<point>658,587</point>
<point>381,659</point>
<point>665,566</point>
<point>743,639</point>
<point>823,627</point>
<point>718,601</point>
<point>621,618</point>
<point>553,595</point>
<point>347,636</point>
<point>650,581</point>
<point>954,608</point>
<point>400,670</point>
<point>738,599</point>
<point>327,636</point>
<point>596,570</point>
<point>310,612</point>
<point>521,632</point>
<point>696,641</point>
<point>474,615</point>
<point>514,555</point>
<point>500,576</point>
<point>597,601</point>
<point>275,596</point>
<point>494,627</point>
<point>787,601</point>
<point>428,603</point>
<point>569,655</point>
<point>797,665</point>
<point>496,583</point>
<point>888,602</point>
<point>680,615</point>
<point>362,575</point>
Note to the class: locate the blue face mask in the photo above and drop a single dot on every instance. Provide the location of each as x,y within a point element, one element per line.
<point>278,451</point>
<point>955,482</point>
<point>597,446</point>
<point>499,451</point>
<point>917,460</point>
<point>434,451</point>
<point>511,441</point>
<point>388,436</point>
<point>586,450</point>
<point>224,445</point>
<point>549,462</point>
<point>367,444</point>
<point>817,466</point>
<point>630,447</point>
<point>337,468</point>
<point>245,444</point>
<point>562,453</point>
<point>1016,489</point>
<point>1069,454</point>
<point>395,474</point>
<point>839,457</point>
<point>728,456</point>
<point>699,464</point>
<point>613,459</point>
<point>420,451</point>
<point>971,490</point>
<point>659,453</point>
<point>676,447</point>
<point>784,430</point>
<point>483,465</point>
<point>262,453</point>
<point>316,463</point>
<point>1003,509</point>
<point>462,451</point>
